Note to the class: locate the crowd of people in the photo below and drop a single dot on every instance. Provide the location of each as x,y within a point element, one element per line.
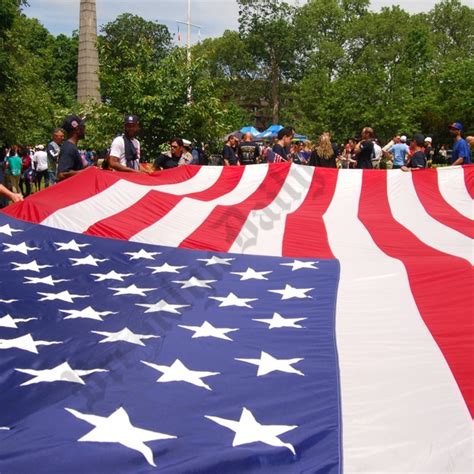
<point>24,169</point>
<point>363,152</point>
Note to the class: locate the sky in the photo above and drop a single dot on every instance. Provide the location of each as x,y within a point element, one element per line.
<point>214,16</point>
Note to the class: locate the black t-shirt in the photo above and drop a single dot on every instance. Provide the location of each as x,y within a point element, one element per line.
<point>166,161</point>
<point>280,151</point>
<point>229,154</point>
<point>418,160</point>
<point>429,152</point>
<point>364,158</point>
<point>69,158</point>
<point>248,153</point>
<point>316,160</point>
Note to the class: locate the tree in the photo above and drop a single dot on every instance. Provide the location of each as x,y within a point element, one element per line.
<point>268,29</point>
<point>129,46</point>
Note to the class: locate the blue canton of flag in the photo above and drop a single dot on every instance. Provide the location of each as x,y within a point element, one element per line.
<point>122,357</point>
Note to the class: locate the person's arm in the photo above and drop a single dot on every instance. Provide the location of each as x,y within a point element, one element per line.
<point>114,164</point>
<point>67,174</point>
<point>459,161</point>
<point>15,197</point>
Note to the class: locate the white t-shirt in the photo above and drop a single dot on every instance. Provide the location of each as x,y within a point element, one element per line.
<point>377,152</point>
<point>117,149</point>
<point>40,158</point>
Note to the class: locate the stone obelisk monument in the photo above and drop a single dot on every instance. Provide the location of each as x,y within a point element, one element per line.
<point>88,64</point>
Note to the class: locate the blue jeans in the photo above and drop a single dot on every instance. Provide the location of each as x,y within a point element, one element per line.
<point>50,178</point>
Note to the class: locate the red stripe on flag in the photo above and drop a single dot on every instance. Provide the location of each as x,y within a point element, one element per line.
<point>37,207</point>
<point>426,186</point>
<point>225,222</point>
<point>155,205</point>
<point>441,284</point>
<point>305,231</point>
<point>469,179</point>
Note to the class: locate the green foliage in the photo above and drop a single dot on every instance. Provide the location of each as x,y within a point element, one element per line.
<point>320,65</point>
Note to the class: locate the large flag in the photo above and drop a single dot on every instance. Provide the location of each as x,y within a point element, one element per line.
<point>249,319</point>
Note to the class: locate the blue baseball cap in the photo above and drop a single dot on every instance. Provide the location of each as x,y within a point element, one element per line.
<point>456,126</point>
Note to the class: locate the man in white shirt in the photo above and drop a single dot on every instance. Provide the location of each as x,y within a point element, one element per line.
<point>40,165</point>
<point>125,149</point>
<point>377,155</point>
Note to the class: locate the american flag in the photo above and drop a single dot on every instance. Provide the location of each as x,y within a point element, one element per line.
<point>269,318</point>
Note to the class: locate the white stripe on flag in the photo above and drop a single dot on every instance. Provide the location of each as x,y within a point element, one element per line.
<point>120,196</point>
<point>453,189</point>
<point>263,232</point>
<point>409,212</point>
<point>402,410</point>
<point>190,213</point>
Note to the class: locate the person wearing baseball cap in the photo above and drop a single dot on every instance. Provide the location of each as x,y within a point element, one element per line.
<point>125,150</point>
<point>399,153</point>
<point>461,153</point>
<point>70,161</point>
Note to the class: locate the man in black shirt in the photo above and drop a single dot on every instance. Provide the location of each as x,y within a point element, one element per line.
<point>70,161</point>
<point>418,159</point>
<point>248,150</point>
<point>365,149</point>
<point>229,152</point>
<point>281,147</point>
<point>166,161</point>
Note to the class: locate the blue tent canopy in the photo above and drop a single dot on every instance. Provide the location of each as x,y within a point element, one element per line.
<point>271,132</point>
<point>301,138</point>
<point>250,129</point>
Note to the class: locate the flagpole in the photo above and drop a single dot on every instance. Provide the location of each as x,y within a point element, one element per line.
<point>189,25</point>
<point>190,89</point>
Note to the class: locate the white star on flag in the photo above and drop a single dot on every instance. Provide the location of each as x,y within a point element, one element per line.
<point>298,265</point>
<point>163,306</point>
<point>61,373</point>
<point>142,254</point>
<point>131,290</point>
<point>178,372</point>
<point>249,430</point>
<point>194,282</point>
<point>125,335</point>
<point>31,266</point>
<point>89,260</point>
<point>86,313</point>
<point>251,274</point>
<point>117,428</point>
<point>268,364</point>
<point>279,321</point>
<point>4,428</point>
<point>8,301</point>
<point>71,245</point>
<point>8,322</point>
<point>7,230</point>
<point>216,261</point>
<point>21,248</point>
<point>48,280</point>
<point>233,300</point>
<point>62,296</point>
<point>112,275</point>
<point>25,343</point>
<point>289,292</point>
<point>165,268</point>
<point>208,330</point>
